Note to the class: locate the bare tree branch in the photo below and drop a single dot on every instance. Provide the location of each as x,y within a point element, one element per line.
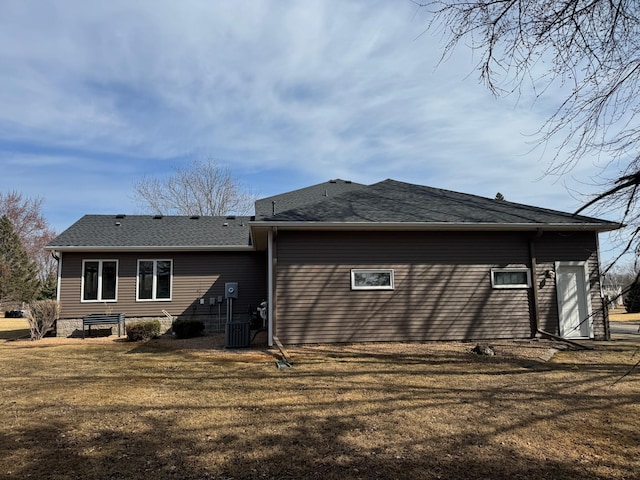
<point>622,183</point>
<point>201,188</point>
<point>591,47</point>
<point>32,228</point>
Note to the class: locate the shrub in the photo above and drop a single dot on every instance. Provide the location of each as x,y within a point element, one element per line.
<point>143,330</point>
<point>42,316</point>
<point>188,328</point>
<point>632,300</point>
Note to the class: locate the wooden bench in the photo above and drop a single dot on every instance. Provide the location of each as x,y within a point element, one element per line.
<point>103,319</point>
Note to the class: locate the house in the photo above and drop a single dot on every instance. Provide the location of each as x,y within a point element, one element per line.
<point>346,262</point>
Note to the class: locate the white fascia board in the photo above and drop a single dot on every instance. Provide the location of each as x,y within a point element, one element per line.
<point>438,226</point>
<point>165,248</point>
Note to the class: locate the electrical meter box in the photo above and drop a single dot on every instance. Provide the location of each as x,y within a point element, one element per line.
<point>231,290</point>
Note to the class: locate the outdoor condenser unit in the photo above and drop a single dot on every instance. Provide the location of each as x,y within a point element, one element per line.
<point>238,335</point>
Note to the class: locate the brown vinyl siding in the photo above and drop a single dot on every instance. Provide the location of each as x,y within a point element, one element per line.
<point>195,275</point>
<point>442,287</point>
<point>564,247</point>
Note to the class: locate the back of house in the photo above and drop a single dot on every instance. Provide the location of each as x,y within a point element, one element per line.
<point>346,262</point>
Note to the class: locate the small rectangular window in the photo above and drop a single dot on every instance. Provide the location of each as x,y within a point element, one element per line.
<point>372,279</point>
<point>154,279</point>
<point>99,280</point>
<point>510,278</point>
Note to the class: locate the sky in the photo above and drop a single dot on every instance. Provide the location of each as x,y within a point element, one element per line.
<point>96,95</point>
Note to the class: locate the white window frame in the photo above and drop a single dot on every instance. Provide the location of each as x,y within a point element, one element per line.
<point>355,271</point>
<point>100,262</point>
<point>154,288</point>
<point>511,270</point>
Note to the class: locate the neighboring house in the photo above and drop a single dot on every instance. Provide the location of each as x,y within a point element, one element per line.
<point>614,295</point>
<point>345,262</point>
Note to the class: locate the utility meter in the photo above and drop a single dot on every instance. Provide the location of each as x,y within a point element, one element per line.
<point>231,290</point>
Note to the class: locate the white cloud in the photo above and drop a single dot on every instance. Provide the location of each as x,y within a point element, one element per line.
<point>287,93</point>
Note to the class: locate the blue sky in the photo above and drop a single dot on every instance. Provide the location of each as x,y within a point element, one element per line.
<point>94,95</point>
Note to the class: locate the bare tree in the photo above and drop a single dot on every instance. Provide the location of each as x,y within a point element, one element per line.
<point>589,49</point>
<point>42,315</point>
<point>618,280</point>
<point>32,228</point>
<point>201,188</point>
<point>621,274</point>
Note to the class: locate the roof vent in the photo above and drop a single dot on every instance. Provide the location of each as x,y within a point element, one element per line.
<point>225,224</point>
<point>157,217</point>
<point>333,181</point>
<point>194,217</point>
<point>347,181</point>
<point>120,215</point>
<point>231,217</point>
<point>118,224</point>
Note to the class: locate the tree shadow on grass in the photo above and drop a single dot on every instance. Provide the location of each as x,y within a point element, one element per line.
<point>312,447</point>
<point>204,421</point>
<point>20,334</point>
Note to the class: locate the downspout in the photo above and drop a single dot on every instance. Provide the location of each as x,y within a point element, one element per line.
<point>536,300</point>
<point>270,288</point>
<point>58,283</point>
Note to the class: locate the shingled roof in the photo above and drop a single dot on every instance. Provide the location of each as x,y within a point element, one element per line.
<point>266,207</point>
<point>147,232</point>
<point>335,204</point>
<point>391,202</point>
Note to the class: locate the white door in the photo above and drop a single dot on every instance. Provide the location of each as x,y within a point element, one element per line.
<point>574,304</point>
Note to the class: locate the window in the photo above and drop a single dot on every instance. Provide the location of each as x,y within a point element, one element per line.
<point>372,279</point>
<point>99,280</point>
<point>154,279</point>
<point>510,278</point>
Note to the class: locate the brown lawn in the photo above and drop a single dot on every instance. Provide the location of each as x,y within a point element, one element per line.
<point>168,409</point>
<point>621,315</point>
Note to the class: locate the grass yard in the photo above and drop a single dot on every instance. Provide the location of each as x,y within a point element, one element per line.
<point>13,328</point>
<point>621,315</point>
<point>170,409</point>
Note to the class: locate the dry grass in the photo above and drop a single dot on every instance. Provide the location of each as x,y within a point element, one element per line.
<point>621,315</point>
<point>13,328</point>
<point>170,409</point>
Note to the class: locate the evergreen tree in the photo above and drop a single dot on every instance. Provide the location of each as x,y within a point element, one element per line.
<point>48,287</point>
<point>632,300</point>
<point>18,273</point>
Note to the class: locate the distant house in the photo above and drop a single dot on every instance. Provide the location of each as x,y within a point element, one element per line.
<point>346,262</point>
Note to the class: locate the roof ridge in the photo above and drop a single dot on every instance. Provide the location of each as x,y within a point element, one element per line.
<point>151,215</point>
<point>311,187</point>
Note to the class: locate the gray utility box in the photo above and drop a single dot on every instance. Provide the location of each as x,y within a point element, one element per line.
<point>238,335</point>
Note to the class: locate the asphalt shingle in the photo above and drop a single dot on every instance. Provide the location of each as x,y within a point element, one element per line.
<point>391,201</point>
<point>321,192</point>
<point>336,201</point>
<point>150,231</point>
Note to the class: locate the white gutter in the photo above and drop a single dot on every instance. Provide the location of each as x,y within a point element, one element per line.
<point>439,226</point>
<point>154,248</point>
